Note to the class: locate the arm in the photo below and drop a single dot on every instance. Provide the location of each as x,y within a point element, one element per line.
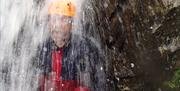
<point>92,67</point>
<point>43,63</point>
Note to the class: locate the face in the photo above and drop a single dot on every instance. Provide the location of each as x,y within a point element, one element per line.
<point>60,27</point>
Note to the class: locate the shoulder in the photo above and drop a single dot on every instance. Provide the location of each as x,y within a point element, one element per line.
<point>86,49</point>
<point>84,45</point>
<point>44,51</point>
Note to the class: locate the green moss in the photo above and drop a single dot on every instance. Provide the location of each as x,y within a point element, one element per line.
<point>175,82</point>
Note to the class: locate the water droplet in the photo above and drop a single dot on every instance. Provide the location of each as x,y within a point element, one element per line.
<point>101,68</point>
<point>132,65</point>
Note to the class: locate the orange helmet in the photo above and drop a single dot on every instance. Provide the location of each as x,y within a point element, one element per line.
<point>65,7</point>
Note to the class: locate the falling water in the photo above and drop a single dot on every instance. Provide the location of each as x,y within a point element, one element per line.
<point>20,36</point>
<point>140,41</point>
<point>22,29</point>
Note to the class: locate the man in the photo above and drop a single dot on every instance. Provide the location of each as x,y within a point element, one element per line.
<point>68,63</point>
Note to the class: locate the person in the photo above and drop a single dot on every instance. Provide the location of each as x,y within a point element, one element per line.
<point>68,62</point>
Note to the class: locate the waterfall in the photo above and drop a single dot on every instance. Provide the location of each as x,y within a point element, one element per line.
<point>23,27</point>
<point>20,36</point>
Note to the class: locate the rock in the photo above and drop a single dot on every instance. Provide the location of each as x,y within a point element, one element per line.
<point>134,31</point>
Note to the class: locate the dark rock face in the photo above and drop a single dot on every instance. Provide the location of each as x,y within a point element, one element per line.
<point>140,39</point>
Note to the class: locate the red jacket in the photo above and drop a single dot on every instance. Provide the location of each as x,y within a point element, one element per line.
<point>55,82</point>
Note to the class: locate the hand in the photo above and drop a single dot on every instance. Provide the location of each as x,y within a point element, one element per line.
<point>50,82</point>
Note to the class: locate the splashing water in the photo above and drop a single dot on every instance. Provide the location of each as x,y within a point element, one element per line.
<point>22,29</point>
<point>19,39</point>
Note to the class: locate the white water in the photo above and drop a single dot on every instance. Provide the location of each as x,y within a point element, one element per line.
<point>22,29</point>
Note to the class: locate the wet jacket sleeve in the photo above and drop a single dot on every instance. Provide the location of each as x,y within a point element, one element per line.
<point>44,59</point>
<point>91,67</point>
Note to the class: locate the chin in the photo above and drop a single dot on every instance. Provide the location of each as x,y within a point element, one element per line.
<point>60,45</point>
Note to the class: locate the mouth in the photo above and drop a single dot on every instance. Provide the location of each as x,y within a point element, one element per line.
<point>60,43</point>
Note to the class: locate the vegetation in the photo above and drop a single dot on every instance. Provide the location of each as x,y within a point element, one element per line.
<point>175,82</point>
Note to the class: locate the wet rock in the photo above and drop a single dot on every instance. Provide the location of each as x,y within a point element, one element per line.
<point>132,33</point>
<point>168,36</point>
